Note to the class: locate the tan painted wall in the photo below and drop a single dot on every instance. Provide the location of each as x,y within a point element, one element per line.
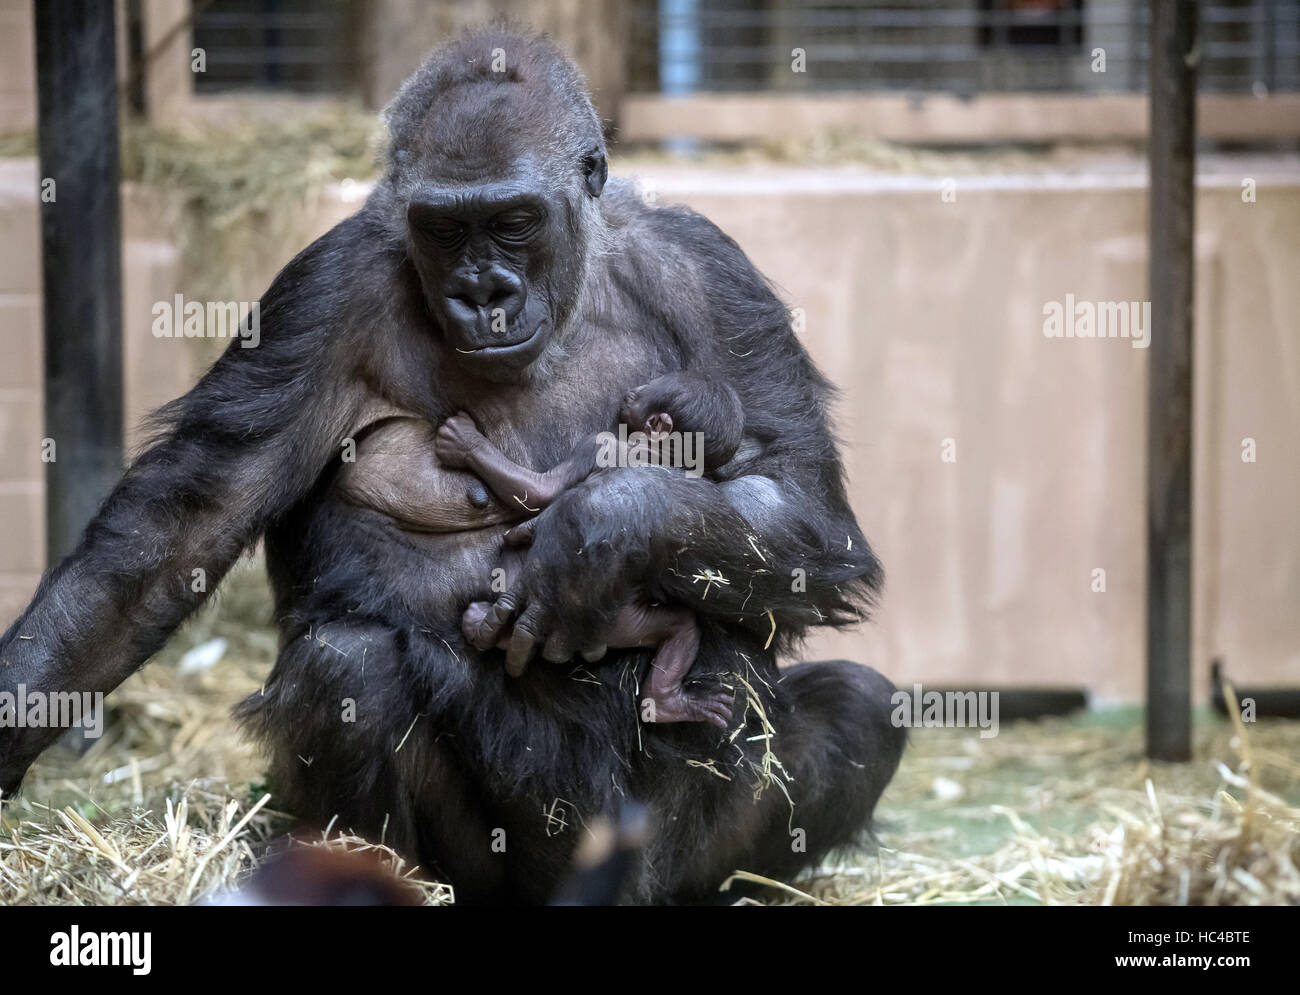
<point>396,35</point>
<point>169,84</point>
<point>155,370</point>
<point>928,315</point>
<point>938,118</point>
<point>22,488</point>
<point>17,66</point>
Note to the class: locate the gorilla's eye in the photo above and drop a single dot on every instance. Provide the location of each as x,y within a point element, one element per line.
<point>516,225</point>
<point>444,231</point>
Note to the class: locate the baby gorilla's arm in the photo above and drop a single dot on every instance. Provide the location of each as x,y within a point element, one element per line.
<point>460,444</point>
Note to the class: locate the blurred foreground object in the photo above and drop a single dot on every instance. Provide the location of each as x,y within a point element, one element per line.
<point>327,876</point>
<point>605,858</point>
<point>321,875</point>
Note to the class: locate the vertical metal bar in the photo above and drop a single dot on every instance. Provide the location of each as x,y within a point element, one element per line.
<point>81,235</point>
<point>681,57</point>
<point>1134,45</point>
<point>272,67</point>
<point>680,47</point>
<point>1001,45</point>
<point>1270,32</point>
<point>1174,55</point>
<point>1065,49</point>
<point>133,23</point>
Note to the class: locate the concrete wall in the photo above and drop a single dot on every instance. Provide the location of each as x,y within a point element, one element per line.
<point>168,85</point>
<point>938,118</point>
<point>22,490</point>
<point>156,370</point>
<point>396,35</point>
<point>17,66</point>
<point>929,316</point>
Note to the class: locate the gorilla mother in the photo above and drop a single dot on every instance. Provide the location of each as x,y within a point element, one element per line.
<point>494,270</point>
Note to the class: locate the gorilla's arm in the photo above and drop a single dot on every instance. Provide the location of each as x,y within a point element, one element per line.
<point>755,552</point>
<point>240,448</point>
<point>774,546</point>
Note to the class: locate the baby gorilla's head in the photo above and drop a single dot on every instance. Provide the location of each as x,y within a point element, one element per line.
<point>688,402</point>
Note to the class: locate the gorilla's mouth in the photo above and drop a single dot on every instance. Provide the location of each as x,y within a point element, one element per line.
<point>513,351</point>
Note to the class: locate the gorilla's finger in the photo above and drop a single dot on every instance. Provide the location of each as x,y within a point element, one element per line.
<point>498,617</point>
<point>717,717</point>
<point>593,653</point>
<point>522,643</point>
<point>558,649</point>
<point>515,669</point>
<point>522,534</point>
<point>473,625</point>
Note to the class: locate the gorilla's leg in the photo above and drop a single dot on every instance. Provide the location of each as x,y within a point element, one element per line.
<point>350,721</point>
<point>835,739</point>
<point>349,743</point>
<point>841,750</point>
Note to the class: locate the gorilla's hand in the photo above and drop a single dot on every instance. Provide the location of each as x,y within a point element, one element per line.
<point>22,652</point>
<point>13,767</point>
<point>589,551</point>
<point>723,551</point>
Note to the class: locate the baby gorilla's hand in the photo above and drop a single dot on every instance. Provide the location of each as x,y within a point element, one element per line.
<point>456,441</point>
<point>473,626</point>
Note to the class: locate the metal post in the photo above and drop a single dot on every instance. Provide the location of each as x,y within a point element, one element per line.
<point>681,57</point>
<point>81,235</point>
<point>1270,29</point>
<point>1174,54</point>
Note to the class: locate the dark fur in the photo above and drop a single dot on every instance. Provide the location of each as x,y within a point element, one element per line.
<point>702,404</point>
<point>445,748</point>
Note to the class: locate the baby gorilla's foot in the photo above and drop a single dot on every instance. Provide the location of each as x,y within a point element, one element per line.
<point>474,625</point>
<point>457,440</point>
<point>679,705</point>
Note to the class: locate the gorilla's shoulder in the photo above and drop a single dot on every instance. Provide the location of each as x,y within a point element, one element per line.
<point>677,235</point>
<point>353,245</point>
<point>628,207</point>
<point>359,257</point>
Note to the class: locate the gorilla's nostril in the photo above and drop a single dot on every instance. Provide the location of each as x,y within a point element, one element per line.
<point>488,291</point>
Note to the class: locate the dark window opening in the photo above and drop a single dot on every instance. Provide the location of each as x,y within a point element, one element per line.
<point>285,46</point>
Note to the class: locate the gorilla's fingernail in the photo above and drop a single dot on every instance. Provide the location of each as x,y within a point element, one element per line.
<point>477,495</point>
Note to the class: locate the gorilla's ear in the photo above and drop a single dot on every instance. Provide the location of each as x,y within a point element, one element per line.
<point>660,423</point>
<point>597,171</point>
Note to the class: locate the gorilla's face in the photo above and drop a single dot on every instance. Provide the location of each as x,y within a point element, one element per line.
<point>499,235</point>
<point>488,256</point>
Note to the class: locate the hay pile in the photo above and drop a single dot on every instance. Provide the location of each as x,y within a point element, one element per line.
<point>203,846</point>
<point>1065,811</point>
<point>127,822</point>
<point>247,190</point>
<point>1069,812</point>
<point>239,193</point>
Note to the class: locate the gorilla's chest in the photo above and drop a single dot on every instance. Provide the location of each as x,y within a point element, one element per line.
<point>434,532</point>
<point>572,393</point>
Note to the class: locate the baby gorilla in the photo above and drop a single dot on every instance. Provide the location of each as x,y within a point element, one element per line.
<point>670,418</point>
